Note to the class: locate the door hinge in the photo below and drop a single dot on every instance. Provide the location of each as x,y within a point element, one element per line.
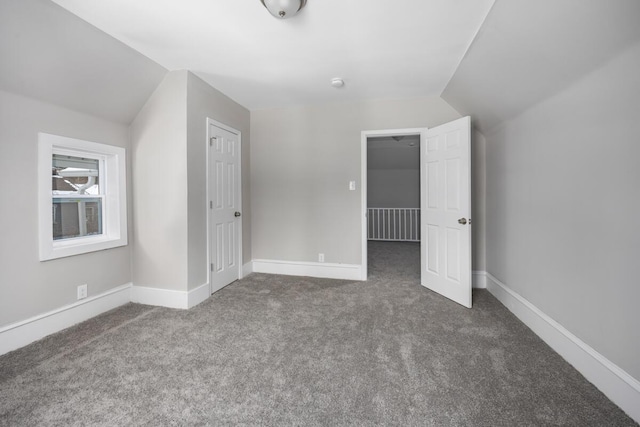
<point>211,266</point>
<point>210,204</point>
<point>213,138</point>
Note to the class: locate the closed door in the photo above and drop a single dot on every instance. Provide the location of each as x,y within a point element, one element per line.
<point>446,210</point>
<point>224,206</point>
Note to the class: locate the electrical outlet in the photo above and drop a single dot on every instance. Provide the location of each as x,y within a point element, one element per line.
<point>352,185</point>
<point>320,257</point>
<point>82,291</point>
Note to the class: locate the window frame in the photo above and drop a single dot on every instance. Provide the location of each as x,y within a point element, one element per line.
<point>114,206</point>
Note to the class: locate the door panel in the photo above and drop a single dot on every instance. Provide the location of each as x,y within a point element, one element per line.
<point>432,249</point>
<point>446,199</point>
<point>453,184</point>
<point>224,195</point>
<point>432,185</point>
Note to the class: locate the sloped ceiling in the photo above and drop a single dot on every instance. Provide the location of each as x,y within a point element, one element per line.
<point>382,49</point>
<point>49,54</point>
<point>528,50</point>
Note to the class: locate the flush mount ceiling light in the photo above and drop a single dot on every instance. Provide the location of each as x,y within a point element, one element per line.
<point>337,82</point>
<point>284,8</point>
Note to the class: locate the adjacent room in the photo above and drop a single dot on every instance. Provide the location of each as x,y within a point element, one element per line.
<point>393,203</point>
<point>317,212</point>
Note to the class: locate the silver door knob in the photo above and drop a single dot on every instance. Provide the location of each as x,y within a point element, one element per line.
<point>237,214</point>
<point>462,221</point>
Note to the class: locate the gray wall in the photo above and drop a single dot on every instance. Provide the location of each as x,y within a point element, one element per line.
<point>563,195</point>
<point>169,181</point>
<point>393,188</point>
<point>29,287</point>
<point>59,75</point>
<point>204,102</point>
<point>159,155</point>
<point>393,172</point>
<point>302,159</point>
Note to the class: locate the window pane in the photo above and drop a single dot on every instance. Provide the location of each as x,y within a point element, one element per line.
<point>75,175</point>
<point>76,217</point>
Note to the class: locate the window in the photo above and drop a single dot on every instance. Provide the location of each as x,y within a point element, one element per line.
<point>82,191</point>
<point>77,196</point>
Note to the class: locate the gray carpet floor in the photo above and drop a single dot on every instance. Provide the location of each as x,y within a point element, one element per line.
<point>275,350</point>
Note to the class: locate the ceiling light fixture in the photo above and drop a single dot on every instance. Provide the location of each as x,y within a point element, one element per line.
<point>337,82</point>
<point>284,8</point>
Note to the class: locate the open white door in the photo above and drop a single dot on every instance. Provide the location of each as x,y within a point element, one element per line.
<point>446,209</point>
<point>224,206</point>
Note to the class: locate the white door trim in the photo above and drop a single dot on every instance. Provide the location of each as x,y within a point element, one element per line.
<point>227,128</point>
<point>365,134</point>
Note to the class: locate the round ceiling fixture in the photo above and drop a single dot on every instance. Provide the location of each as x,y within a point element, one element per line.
<point>284,8</point>
<point>337,82</point>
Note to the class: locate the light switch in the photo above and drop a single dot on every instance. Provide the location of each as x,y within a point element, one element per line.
<point>352,185</point>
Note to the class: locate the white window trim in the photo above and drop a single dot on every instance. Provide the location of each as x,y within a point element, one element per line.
<point>114,222</point>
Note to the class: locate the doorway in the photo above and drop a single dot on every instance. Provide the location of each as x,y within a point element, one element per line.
<point>393,207</point>
<point>445,206</point>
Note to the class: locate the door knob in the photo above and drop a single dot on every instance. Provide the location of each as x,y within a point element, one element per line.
<point>237,214</point>
<point>462,221</point>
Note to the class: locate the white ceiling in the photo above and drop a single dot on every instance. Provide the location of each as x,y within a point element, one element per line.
<point>524,53</point>
<point>382,49</point>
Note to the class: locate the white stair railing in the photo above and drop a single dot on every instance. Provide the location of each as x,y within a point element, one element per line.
<point>394,224</point>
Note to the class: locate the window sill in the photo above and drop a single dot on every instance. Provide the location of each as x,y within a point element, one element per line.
<point>80,245</point>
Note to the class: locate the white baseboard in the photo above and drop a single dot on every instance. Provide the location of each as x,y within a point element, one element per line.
<point>159,297</point>
<point>310,269</point>
<point>19,334</point>
<point>198,295</point>
<point>479,279</point>
<point>247,269</point>
<point>616,384</point>
<point>170,298</point>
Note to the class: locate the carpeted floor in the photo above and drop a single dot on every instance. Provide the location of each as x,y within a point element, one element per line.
<point>275,350</point>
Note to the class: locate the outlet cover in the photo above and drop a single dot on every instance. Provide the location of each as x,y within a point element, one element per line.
<point>320,257</point>
<point>82,291</point>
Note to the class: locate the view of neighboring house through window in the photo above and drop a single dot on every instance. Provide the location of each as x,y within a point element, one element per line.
<point>82,196</point>
<point>77,198</point>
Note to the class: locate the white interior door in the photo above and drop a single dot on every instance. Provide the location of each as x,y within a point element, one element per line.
<point>224,206</point>
<point>446,209</point>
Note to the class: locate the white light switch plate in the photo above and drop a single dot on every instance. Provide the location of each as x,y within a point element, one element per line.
<point>352,185</point>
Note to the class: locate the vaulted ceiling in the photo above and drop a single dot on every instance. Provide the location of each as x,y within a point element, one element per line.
<point>49,54</point>
<point>381,49</point>
<point>527,51</point>
<point>491,60</point>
